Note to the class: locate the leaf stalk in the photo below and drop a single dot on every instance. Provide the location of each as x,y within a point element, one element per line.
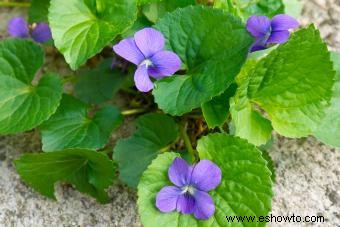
<point>187,142</point>
<point>133,112</point>
<point>15,4</point>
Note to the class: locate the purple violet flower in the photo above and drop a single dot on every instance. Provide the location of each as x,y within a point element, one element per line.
<point>146,50</point>
<point>18,27</point>
<point>190,195</point>
<point>41,32</point>
<point>268,31</point>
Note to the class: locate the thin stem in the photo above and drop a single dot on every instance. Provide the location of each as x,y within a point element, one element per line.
<point>69,79</point>
<point>231,7</point>
<point>15,4</point>
<point>221,129</point>
<point>165,149</point>
<point>133,112</point>
<point>187,142</point>
<point>100,6</point>
<point>107,151</point>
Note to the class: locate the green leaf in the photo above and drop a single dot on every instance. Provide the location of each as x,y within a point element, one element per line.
<point>72,127</point>
<point>247,8</point>
<point>216,110</point>
<point>293,7</point>
<point>154,133</point>
<point>24,105</point>
<point>329,129</point>
<point>139,24</point>
<point>205,39</point>
<point>157,10</point>
<point>246,187</point>
<point>88,171</point>
<point>144,2</point>
<point>81,29</point>
<point>248,123</point>
<point>38,11</point>
<point>257,55</point>
<point>293,85</point>
<point>99,84</point>
<point>270,163</point>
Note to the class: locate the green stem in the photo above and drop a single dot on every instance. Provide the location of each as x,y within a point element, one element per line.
<point>165,149</point>
<point>100,6</point>
<point>231,7</point>
<point>187,142</point>
<point>221,129</point>
<point>107,151</point>
<point>69,79</point>
<point>133,112</point>
<point>15,4</point>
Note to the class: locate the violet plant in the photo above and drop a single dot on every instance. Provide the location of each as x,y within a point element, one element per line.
<point>18,27</point>
<point>208,83</point>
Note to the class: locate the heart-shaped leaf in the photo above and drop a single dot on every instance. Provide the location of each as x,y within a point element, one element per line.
<point>81,29</point>
<point>24,105</point>
<point>88,171</point>
<point>72,127</point>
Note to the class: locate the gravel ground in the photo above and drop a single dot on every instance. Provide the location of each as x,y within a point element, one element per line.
<point>308,172</point>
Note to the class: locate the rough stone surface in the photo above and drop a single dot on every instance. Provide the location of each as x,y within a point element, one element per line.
<point>307,178</point>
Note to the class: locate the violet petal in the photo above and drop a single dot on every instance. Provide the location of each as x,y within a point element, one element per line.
<point>166,199</point>
<point>18,27</point>
<point>206,175</point>
<point>204,205</point>
<point>164,63</point>
<point>128,50</point>
<point>179,172</point>
<point>278,37</point>
<point>258,26</point>
<point>257,48</point>
<point>185,204</point>
<point>283,22</point>
<point>142,79</point>
<point>41,33</point>
<point>259,44</point>
<point>149,41</point>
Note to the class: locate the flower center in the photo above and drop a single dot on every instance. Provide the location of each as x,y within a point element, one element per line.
<point>146,62</point>
<point>188,189</point>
